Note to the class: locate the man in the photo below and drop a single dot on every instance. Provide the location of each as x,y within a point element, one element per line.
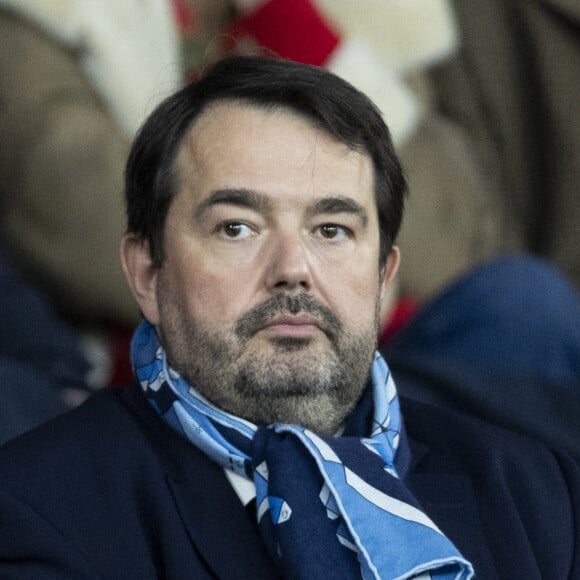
<point>263,204</point>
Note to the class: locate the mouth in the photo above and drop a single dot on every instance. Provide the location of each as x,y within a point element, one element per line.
<point>293,326</point>
<point>289,319</point>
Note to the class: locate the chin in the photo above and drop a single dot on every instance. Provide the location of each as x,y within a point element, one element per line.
<point>322,413</point>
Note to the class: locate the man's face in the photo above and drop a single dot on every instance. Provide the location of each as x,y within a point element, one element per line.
<point>268,299</point>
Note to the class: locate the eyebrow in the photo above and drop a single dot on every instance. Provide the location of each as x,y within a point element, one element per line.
<point>340,204</point>
<point>256,201</point>
<point>234,196</point>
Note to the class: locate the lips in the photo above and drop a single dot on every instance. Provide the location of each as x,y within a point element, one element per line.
<point>294,320</point>
<point>298,326</point>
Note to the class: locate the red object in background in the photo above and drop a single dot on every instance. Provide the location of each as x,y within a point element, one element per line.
<point>403,311</point>
<point>291,29</point>
<point>121,371</point>
<point>184,16</point>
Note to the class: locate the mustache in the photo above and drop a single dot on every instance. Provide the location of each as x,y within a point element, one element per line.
<point>255,319</point>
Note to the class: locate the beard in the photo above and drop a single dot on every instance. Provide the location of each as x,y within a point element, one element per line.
<point>295,380</point>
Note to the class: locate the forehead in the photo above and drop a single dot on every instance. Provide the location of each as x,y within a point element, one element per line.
<point>274,151</point>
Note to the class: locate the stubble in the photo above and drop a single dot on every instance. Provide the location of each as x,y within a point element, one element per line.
<point>295,382</point>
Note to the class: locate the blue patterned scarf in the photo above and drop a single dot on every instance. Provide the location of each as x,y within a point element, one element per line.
<point>325,505</point>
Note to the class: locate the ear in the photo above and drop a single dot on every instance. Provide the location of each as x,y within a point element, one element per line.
<point>391,267</point>
<point>389,288</point>
<point>141,275</point>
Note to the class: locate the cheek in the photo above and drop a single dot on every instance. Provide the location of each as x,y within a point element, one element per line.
<point>354,295</point>
<point>215,296</point>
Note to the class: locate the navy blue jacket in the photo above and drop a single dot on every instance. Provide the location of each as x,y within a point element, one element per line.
<point>109,491</point>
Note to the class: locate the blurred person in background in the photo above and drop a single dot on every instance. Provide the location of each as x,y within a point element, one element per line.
<point>76,80</point>
<point>514,88</point>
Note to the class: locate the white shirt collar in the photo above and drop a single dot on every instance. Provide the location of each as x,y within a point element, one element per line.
<point>244,487</point>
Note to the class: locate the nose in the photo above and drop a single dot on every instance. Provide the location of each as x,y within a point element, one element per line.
<point>289,266</point>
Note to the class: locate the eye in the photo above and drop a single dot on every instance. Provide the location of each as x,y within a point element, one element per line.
<point>334,232</point>
<point>235,230</point>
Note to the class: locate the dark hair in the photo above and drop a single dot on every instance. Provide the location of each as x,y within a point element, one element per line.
<point>330,102</point>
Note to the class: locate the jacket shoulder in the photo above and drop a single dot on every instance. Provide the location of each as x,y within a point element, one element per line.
<point>90,428</point>
<point>521,493</point>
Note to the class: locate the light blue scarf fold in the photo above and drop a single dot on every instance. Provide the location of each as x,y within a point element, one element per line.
<point>336,505</point>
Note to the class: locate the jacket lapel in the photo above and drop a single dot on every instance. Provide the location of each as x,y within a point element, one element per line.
<point>220,528</point>
<point>218,524</point>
